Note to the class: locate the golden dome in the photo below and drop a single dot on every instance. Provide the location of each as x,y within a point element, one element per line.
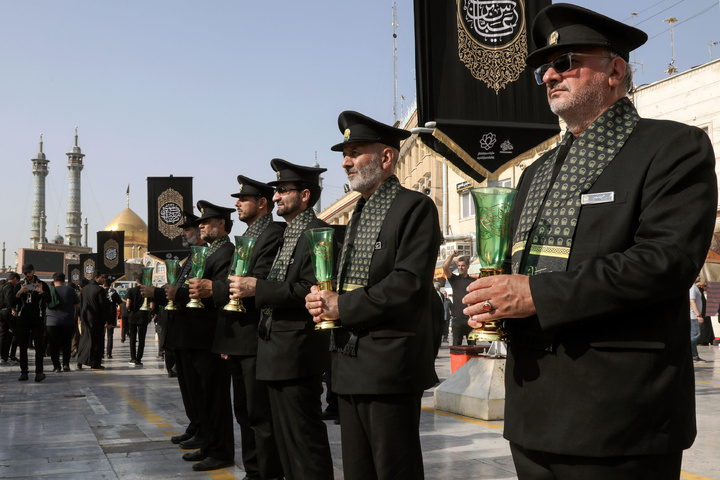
<point>136,230</point>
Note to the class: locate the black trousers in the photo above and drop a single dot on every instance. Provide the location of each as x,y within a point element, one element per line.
<point>60,339</point>
<point>31,329</point>
<point>381,436</point>
<point>536,465</point>
<point>138,331</point>
<point>188,381</point>
<point>300,433</point>
<point>109,333</point>
<point>251,405</point>
<point>211,390</point>
<point>460,329</point>
<point>7,327</point>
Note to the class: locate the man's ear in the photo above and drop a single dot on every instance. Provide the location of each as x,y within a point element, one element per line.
<point>617,74</point>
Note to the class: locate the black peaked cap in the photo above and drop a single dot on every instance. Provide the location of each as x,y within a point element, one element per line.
<point>209,210</point>
<point>191,220</point>
<point>562,25</point>
<point>289,172</point>
<point>359,128</point>
<point>248,186</point>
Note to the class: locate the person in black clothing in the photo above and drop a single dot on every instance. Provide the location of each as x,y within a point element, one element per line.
<point>93,311</point>
<point>459,284</point>
<point>61,322</point>
<point>138,320</point>
<point>31,294</point>
<point>7,316</point>
<point>111,322</point>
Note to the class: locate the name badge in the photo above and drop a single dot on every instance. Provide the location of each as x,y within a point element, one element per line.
<point>596,198</point>
<point>378,245</point>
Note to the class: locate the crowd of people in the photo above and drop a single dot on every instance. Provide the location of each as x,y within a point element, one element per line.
<point>594,298</point>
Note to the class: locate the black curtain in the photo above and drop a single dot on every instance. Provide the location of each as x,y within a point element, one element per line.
<point>111,253</point>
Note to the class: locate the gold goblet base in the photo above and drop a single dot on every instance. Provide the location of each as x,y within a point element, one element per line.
<point>326,324</point>
<point>490,331</point>
<point>195,303</point>
<point>145,307</point>
<point>170,306</point>
<point>235,305</point>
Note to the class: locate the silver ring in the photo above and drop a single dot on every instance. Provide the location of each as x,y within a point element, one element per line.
<point>487,305</point>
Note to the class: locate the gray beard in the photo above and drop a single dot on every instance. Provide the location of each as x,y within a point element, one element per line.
<point>190,241</point>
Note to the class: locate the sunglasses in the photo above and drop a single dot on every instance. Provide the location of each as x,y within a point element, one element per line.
<point>561,64</point>
<point>284,190</point>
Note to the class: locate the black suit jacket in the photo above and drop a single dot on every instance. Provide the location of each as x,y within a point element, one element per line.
<point>295,349</point>
<point>604,368</point>
<point>236,333</point>
<point>194,328</point>
<point>392,316</point>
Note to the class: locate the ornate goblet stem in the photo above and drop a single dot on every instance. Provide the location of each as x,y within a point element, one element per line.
<point>172,268</point>
<point>198,257</point>
<point>492,222</point>
<point>321,253</point>
<point>146,279</point>
<point>241,263</point>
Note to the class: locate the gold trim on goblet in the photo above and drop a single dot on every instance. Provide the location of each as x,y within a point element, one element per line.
<point>492,223</point>
<point>172,269</point>
<point>241,263</point>
<point>198,256</point>
<point>146,279</point>
<point>321,254</point>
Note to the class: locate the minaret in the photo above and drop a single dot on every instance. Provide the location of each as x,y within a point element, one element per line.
<point>73,235</point>
<point>318,206</point>
<point>40,171</point>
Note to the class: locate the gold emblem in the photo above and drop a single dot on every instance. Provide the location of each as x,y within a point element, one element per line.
<point>241,187</point>
<point>277,174</point>
<point>202,210</point>
<point>553,39</point>
<point>346,135</point>
<point>169,211</point>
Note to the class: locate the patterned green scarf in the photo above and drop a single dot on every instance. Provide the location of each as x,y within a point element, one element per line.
<point>279,269</point>
<point>358,249</point>
<point>290,238</point>
<point>215,246</point>
<point>553,225</point>
<point>258,226</point>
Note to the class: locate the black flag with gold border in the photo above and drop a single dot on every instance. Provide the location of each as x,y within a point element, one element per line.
<point>167,198</point>
<point>473,83</point>
<point>111,253</point>
<point>88,265</point>
<point>74,273</point>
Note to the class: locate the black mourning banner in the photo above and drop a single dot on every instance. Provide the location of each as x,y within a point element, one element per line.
<point>111,253</point>
<point>472,82</point>
<point>88,265</point>
<point>74,273</point>
<point>167,198</point>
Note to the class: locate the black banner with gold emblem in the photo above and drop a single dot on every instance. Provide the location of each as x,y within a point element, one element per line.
<point>88,264</point>
<point>111,253</point>
<point>167,198</point>
<point>74,273</point>
<point>472,82</point>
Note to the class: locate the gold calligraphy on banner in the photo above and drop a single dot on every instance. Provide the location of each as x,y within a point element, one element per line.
<point>492,40</point>
<point>111,253</point>
<point>170,213</point>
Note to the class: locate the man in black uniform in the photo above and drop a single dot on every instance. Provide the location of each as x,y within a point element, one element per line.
<point>459,284</point>
<point>174,333</point>
<point>292,356</point>
<point>383,356</point>
<point>609,230</point>
<point>31,295</point>
<point>236,335</point>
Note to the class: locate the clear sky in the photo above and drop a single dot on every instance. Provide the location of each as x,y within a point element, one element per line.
<point>213,89</point>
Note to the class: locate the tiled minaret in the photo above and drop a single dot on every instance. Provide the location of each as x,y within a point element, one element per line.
<point>40,171</point>
<point>73,235</point>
